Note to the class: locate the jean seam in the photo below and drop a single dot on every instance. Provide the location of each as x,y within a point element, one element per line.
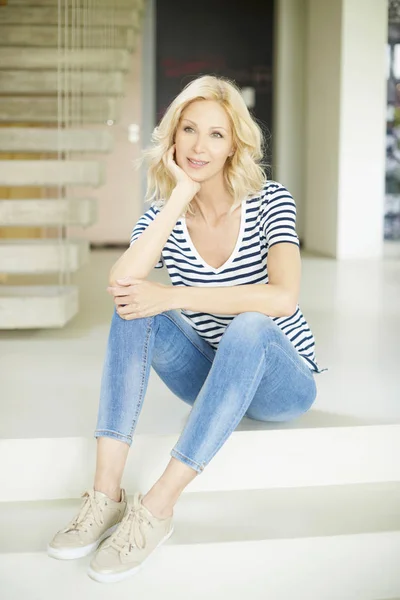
<point>201,467</point>
<point>307,375</point>
<point>142,377</point>
<point>115,432</point>
<point>230,428</point>
<point>188,338</point>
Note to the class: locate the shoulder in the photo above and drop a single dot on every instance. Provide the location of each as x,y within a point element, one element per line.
<point>155,207</point>
<point>275,198</point>
<point>152,211</point>
<point>273,190</point>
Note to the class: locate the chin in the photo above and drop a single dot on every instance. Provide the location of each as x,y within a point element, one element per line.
<point>195,176</point>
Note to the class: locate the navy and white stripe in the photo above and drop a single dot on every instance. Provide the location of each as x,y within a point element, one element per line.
<point>267,219</point>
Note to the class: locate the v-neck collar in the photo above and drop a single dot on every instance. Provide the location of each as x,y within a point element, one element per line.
<point>235,250</point>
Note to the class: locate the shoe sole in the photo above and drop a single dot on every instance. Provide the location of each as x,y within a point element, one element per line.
<point>71,553</point>
<point>114,577</point>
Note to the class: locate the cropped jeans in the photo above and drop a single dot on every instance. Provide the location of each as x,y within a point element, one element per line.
<point>255,372</point>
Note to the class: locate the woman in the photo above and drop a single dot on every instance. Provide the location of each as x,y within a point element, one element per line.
<point>220,228</point>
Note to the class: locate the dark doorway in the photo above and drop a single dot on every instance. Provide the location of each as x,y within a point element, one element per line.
<point>217,37</point>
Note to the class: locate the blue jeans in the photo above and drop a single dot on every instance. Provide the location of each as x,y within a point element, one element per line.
<point>255,372</point>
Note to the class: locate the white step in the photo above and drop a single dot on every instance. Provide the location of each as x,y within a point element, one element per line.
<point>334,543</point>
<point>22,173</point>
<point>39,15</point>
<point>48,212</point>
<point>14,109</point>
<point>42,255</point>
<point>37,307</point>
<point>99,59</point>
<point>35,139</point>
<point>47,36</point>
<point>253,459</point>
<point>47,82</point>
<point>347,437</point>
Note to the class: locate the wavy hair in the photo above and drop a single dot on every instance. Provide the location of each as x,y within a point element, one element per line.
<point>243,172</point>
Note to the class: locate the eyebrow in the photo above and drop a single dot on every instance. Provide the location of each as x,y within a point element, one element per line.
<point>213,127</point>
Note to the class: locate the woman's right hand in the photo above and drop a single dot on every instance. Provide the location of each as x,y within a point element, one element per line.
<point>178,174</point>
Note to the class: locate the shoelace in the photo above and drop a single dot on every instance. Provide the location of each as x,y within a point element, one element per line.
<point>130,534</point>
<point>90,509</point>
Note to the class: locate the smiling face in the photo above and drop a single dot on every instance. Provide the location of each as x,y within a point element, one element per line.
<point>203,140</point>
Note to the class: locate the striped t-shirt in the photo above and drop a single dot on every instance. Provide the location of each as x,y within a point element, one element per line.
<point>268,218</point>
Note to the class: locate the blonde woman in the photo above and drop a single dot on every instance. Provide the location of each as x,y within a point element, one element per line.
<point>238,348</point>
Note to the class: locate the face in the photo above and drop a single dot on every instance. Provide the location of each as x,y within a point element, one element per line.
<point>203,140</point>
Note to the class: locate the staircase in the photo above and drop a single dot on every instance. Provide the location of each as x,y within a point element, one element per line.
<point>62,70</point>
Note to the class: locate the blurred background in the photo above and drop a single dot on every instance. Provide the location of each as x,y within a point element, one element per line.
<point>83,83</point>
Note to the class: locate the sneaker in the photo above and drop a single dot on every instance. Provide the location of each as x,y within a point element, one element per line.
<point>137,536</point>
<point>97,519</point>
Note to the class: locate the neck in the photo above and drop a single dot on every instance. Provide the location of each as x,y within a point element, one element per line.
<point>213,200</point>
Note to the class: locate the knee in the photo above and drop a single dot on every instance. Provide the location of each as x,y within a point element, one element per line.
<point>280,412</point>
<point>251,324</point>
<point>250,319</point>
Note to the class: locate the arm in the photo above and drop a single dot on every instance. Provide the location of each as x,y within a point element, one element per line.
<point>276,299</point>
<point>143,255</point>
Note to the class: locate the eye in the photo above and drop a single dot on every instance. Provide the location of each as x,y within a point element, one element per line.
<point>218,133</point>
<point>187,127</point>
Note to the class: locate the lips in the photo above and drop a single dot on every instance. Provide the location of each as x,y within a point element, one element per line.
<point>197,163</point>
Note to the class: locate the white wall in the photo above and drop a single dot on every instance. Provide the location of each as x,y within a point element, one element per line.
<point>345,130</point>
<point>289,101</point>
<point>322,116</point>
<point>362,129</point>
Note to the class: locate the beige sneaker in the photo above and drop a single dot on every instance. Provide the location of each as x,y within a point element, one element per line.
<point>137,536</point>
<point>97,519</point>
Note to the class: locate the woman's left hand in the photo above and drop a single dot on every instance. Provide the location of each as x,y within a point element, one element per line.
<point>137,298</point>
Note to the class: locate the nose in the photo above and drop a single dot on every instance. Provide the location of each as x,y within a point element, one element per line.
<point>199,144</point>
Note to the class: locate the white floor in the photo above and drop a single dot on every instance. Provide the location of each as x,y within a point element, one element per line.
<point>51,378</point>
<point>258,545</point>
<point>306,510</point>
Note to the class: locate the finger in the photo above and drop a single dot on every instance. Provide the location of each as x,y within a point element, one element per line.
<point>125,309</point>
<point>124,281</point>
<point>130,317</point>
<point>122,291</point>
<point>123,295</point>
<point>121,301</point>
<point>118,291</point>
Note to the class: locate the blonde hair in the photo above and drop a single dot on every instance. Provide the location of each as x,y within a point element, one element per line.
<point>243,172</point>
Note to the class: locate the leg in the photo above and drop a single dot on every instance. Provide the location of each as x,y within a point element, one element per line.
<point>252,350</point>
<point>110,464</point>
<point>180,357</point>
<point>273,384</point>
<point>183,360</point>
<point>165,493</point>
<point>253,342</point>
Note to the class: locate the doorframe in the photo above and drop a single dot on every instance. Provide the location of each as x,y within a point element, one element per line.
<point>148,84</point>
